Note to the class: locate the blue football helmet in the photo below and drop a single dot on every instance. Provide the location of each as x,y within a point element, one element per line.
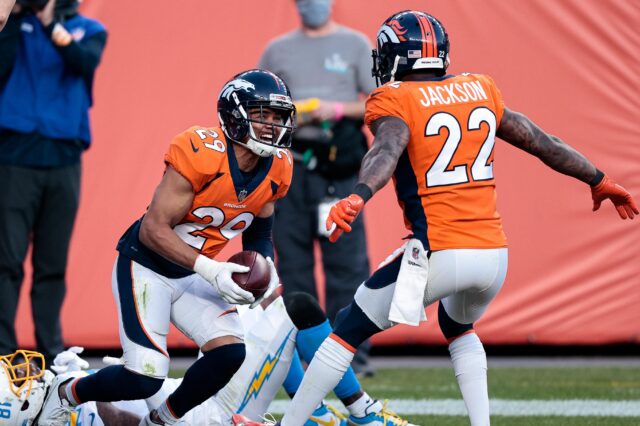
<point>407,41</point>
<point>251,90</point>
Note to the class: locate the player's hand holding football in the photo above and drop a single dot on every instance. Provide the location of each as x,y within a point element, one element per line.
<point>621,199</point>
<point>219,275</point>
<point>274,282</point>
<point>343,213</point>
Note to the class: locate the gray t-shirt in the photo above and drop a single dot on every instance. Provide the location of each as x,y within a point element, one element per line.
<point>336,67</point>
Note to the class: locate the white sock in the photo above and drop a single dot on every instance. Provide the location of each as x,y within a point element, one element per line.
<point>328,366</point>
<point>470,366</point>
<point>68,390</point>
<point>165,414</point>
<point>364,405</point>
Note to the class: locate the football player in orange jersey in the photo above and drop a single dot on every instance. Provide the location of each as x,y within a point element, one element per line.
<point>434,135</point>
<point>218,183</point>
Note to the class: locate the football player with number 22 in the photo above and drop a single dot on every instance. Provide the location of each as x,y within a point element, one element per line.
<point>434,135</point>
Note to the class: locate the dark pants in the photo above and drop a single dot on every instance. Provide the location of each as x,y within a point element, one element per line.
<point>345,263</point>
<point>38,206</point>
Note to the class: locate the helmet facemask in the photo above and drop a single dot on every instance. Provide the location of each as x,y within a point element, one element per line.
<point>23,387</point>
<point>246,124</point>
<point>266,135</point>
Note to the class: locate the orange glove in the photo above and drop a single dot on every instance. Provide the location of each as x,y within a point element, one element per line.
<point>619,196</point>
<point>343,213</point>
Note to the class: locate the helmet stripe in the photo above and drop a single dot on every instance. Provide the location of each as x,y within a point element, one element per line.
<point>424,34</point>
<point>434,43</point>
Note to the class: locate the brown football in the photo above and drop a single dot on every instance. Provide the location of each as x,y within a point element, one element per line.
<point>257,279</point>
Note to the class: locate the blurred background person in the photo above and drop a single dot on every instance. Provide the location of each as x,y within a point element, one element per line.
<point>49,54</point>
<point>5,10</point>
<point>328,68</point>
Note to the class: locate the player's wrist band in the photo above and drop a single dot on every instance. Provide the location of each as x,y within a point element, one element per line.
<point>363,190</point>
<point>597,178</point>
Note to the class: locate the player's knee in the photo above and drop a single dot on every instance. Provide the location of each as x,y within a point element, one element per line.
<point>353,326</point>
<point>449,327</point>
<point>147,386</point>
<point>304,310</point>
<point>228,357</point>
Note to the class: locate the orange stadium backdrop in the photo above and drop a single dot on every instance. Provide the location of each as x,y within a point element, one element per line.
<point>571,65</point>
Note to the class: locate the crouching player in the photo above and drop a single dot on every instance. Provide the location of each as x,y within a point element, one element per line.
<point>275,334</point>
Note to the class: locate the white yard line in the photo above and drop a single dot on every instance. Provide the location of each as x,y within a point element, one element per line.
<point>505,407</point>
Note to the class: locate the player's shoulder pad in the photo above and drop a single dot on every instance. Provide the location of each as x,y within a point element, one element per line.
<point>388,89</point>
<point>484,78</point>
<point>204,147</point>
<point>282,168</point>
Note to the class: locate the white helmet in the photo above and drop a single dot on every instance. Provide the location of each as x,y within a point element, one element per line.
<point>23,387</point>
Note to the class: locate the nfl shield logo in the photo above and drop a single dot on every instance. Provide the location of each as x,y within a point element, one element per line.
<point>242,195</point>
<point>415,253</point>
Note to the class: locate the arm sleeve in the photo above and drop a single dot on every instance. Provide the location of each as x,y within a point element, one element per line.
<point>258,236</point>
<point>9,43</point>
<point>83,57</point>
<point>385,101</point>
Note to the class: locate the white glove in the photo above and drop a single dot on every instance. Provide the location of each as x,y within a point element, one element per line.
<point>274,282</point>
<point>68,361</point>
<point>219,275</point>
<point>110,360</point>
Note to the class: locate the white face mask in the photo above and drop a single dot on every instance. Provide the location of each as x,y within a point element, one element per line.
<point>314,13</point>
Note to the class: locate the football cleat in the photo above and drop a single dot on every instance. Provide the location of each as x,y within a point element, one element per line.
<point>240,420</point>
<point>56,411</point>
<point>326,415</point>
<point>384,417</point>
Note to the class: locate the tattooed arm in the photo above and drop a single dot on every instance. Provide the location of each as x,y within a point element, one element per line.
<point>518,130</point>
<point>391,138</point>
<point>378,165</point>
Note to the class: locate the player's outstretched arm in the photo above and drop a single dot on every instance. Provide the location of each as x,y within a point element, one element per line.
<point>378,165</point>
<point>519,131</point>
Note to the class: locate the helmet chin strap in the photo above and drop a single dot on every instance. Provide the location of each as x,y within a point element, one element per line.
<point>394,69</point>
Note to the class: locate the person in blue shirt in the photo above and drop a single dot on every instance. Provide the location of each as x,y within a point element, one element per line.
<point>48,57</point>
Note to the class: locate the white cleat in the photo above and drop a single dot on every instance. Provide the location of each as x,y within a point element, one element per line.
<point>56,411</point>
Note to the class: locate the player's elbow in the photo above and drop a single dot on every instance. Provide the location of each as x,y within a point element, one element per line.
<point>149,232</point>
<point>3,20</point>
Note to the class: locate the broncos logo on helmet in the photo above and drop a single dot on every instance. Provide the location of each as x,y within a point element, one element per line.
<point>237,84</point>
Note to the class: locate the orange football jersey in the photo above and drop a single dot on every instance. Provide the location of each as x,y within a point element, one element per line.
<point>226,200</point>
<point>444,180</point>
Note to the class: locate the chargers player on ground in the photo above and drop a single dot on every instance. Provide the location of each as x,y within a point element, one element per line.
<point>275,333</point>
<point>434,135</point>
<point>219,182</point>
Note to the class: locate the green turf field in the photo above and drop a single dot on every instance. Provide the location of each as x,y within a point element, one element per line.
<point>593,383</point>
<point>527,386</point>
